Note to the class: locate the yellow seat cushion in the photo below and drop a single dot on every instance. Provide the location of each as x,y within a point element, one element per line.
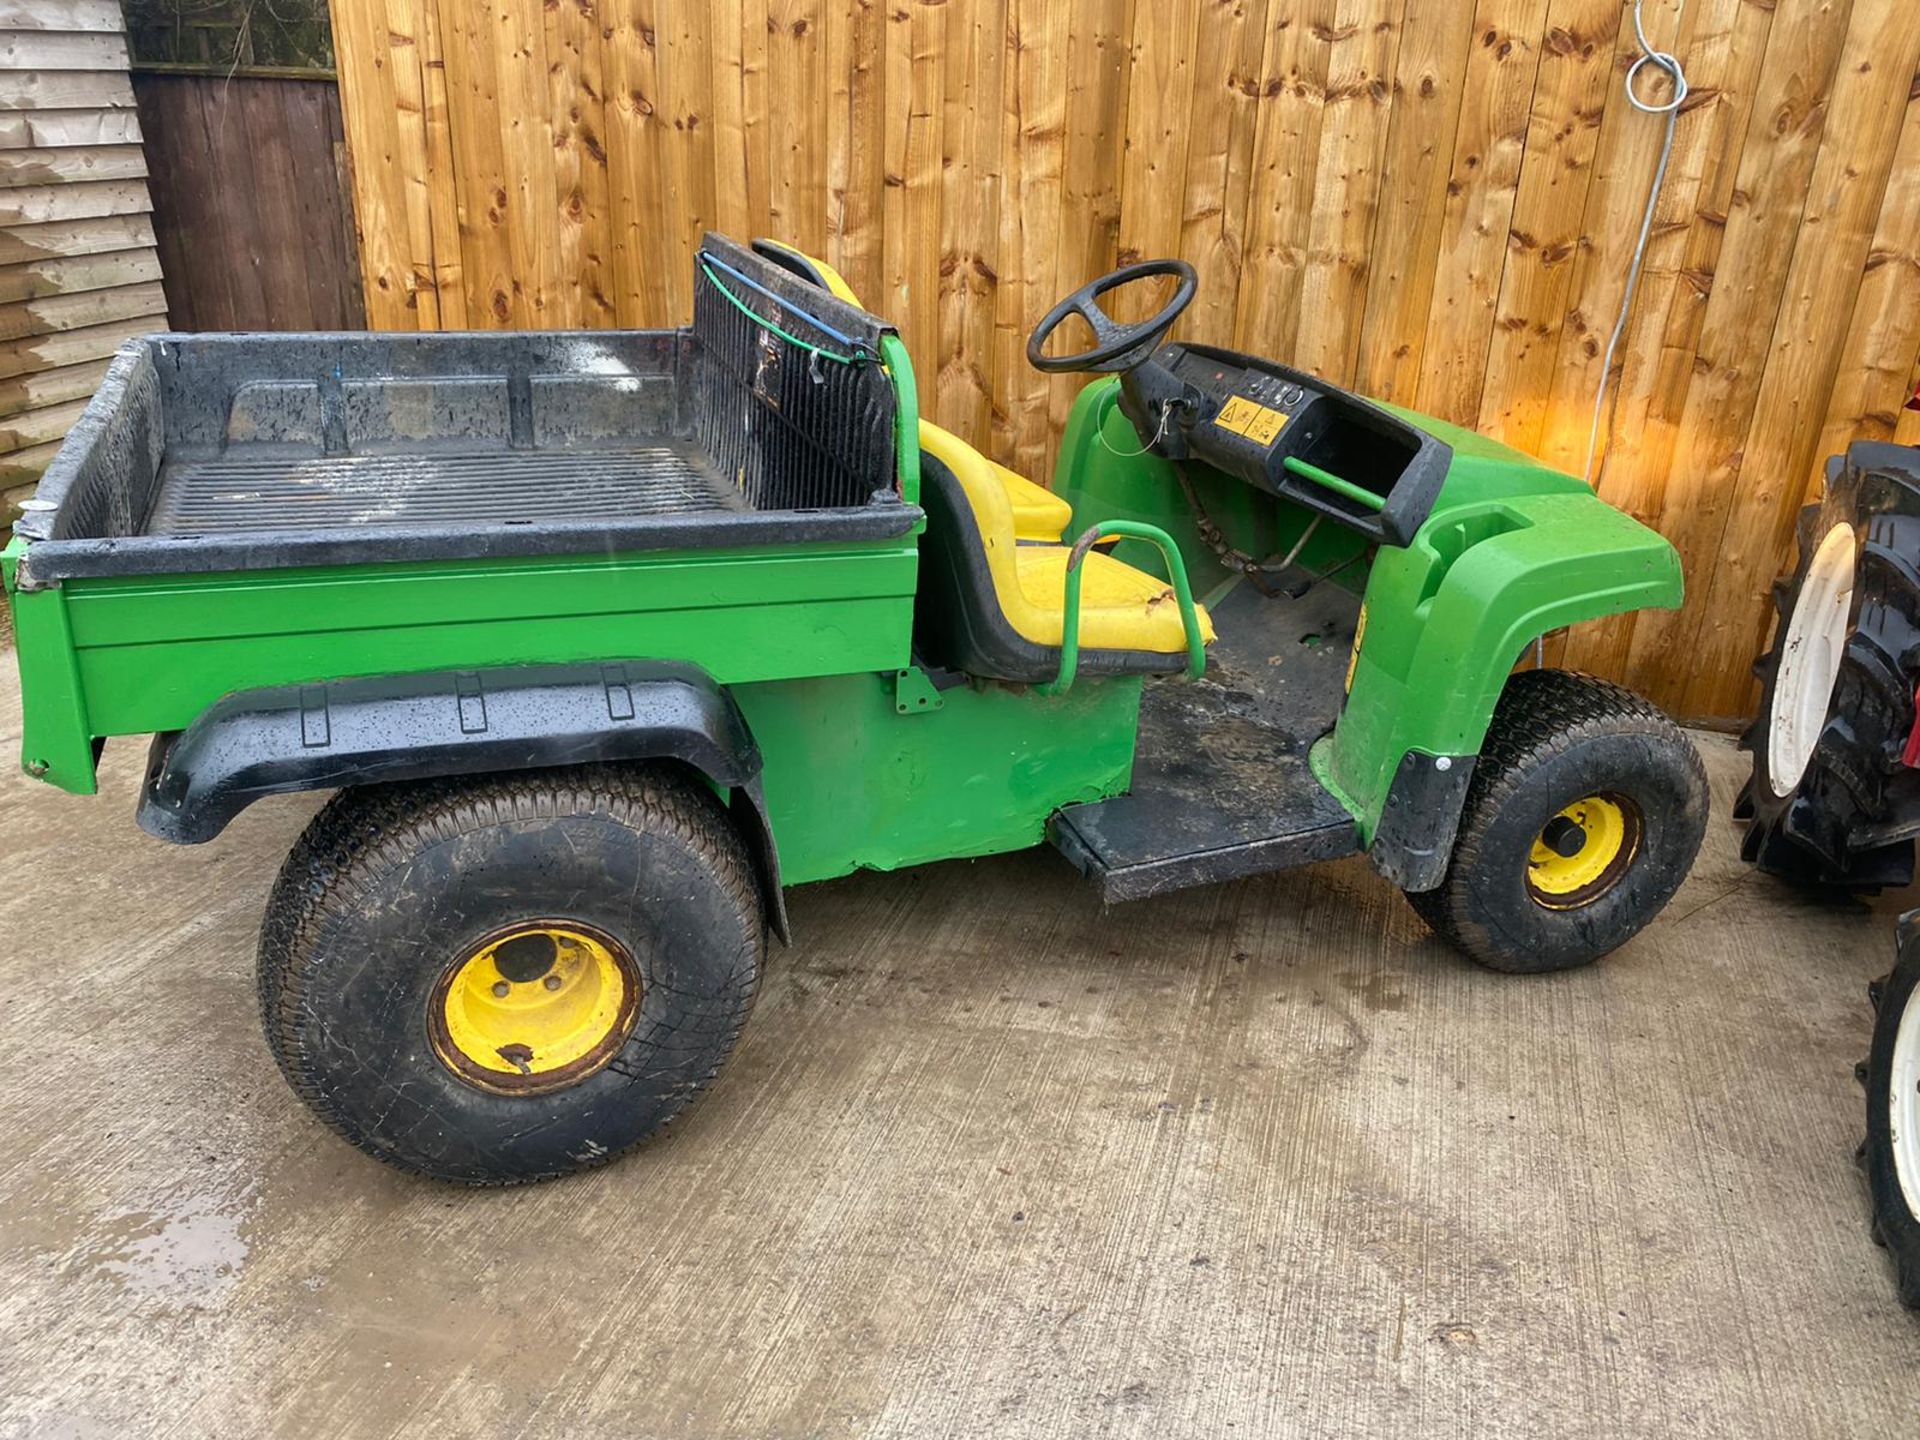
<point>1038,513</point>
<point>1121,608</point>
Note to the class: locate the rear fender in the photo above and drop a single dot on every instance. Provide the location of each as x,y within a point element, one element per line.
<point>286,739</point>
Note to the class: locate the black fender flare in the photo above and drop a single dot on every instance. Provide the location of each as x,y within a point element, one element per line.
<point>284,739</point>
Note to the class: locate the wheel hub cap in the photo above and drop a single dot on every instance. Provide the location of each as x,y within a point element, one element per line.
<point>1809,663</point>
<point>535,1007</point>
<point>1903,1104</point>
<point>1583,851</point>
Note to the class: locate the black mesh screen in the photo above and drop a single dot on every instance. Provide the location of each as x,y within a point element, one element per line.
<point>792,430</point>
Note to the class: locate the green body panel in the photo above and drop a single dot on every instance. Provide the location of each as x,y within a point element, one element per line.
<point>852,783</point>
<point>152,653</point>
<point>1511,550</point>
<point>1447,617</point>
<point>56,733</point>
<point>1102,477</point>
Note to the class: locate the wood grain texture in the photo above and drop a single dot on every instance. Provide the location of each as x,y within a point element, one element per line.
<point>79,270</point>
<point>1435,200</point>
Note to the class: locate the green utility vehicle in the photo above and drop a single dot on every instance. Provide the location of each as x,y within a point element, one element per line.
<point>604,639</point>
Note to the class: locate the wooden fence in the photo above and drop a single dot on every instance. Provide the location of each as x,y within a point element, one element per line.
<point>1434,200</point>
<point>78,273</point>
<point>249,199</point>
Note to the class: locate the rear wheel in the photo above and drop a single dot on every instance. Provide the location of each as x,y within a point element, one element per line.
<point>1893,1114</point>
<point>507,979</point>
<point>1836,706</point>
<point>1586,810</point>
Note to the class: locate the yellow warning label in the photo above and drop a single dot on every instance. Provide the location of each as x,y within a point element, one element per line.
<point>1359,634</point>
<point>1247,417</point>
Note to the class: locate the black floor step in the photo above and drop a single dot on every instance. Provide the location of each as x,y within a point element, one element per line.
<point>1221,784</point>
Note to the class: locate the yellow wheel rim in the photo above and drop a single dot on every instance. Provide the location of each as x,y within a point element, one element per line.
<point>535,1007</point>
<point>1582,852</point>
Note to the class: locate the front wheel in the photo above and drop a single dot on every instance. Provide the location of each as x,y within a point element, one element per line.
<point>507,979</point>
<point>1585,812</point>
<point>1892,1151</point>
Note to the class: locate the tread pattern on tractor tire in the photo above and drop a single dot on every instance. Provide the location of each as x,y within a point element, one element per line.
<point>1818,834</point>
<point>364,832</point>
<point>1888,1220</point>
<point>1541,714</point>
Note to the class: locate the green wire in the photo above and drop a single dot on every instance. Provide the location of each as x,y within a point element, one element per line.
<point>766,324</point>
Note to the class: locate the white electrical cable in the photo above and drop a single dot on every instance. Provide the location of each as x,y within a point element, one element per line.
<point>1668,65</point>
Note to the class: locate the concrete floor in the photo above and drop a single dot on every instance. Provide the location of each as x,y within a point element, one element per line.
<point>1261,1160</point>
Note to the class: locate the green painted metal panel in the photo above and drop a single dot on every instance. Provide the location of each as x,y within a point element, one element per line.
<point>851,783</point>
<point>56,742</point>
<point>125,656</point>
<point>1447,618</point>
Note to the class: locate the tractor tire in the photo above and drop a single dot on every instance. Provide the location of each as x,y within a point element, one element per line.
<point>1836,707</point>
<point>509,978</point>
<point>1892,1077</point>
<point>1586,809</point>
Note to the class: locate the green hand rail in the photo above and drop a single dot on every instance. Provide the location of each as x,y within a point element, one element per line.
<point>1070,618</point>
<point>1326,478</point>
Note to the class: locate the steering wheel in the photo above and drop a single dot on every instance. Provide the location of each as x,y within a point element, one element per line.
<point>1115,346</point>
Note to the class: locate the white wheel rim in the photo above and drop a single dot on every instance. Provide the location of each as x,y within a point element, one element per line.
<point>1903,1103</point>
<point>1810,656</point>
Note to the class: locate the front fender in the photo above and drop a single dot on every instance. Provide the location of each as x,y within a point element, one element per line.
<point>1446,618</point>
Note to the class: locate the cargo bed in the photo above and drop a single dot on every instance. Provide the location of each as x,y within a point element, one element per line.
<point>243,511</point>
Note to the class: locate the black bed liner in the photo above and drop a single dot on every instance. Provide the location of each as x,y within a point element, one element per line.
<point>245,452</point>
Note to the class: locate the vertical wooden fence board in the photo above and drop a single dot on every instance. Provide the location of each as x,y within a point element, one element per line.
<point>1354,125</point>
<point>1488,147</point>
<point>1286,149</point>
<point>1096,110</point>
<point>1428,90</point>
<point>1627,156</point>
<point>1871,86</point>
<point>1768,198</point>
<point>1229,45</point>
<point>1032,146</point>
<point>634,162</point>
<point>1435,199</point>
<point>576,100</point>
<point>1873,382</point>
<point>915,88</point>
<point>797,88</point>
<point>1549,210</point>
<point>970,226</point>
<point>686,134</point>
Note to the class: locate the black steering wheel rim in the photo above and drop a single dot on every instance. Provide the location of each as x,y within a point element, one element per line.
<point>1116,346</point>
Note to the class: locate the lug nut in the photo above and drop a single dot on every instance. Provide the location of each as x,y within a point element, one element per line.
<point>501,989</point>
<point>552,982</point>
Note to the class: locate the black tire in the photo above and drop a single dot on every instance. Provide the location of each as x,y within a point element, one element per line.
<point>1555,739</point>
<point>1896,1225</point>
<point>392,884</point>
<point>1818,829</point>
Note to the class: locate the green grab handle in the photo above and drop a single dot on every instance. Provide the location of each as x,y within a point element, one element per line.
<point>1070,617</point>
<point>1334,483</point>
